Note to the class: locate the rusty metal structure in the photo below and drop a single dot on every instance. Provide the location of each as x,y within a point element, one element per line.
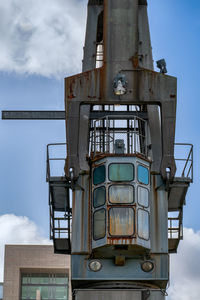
<point>128,186</point>
<point>118,207</point>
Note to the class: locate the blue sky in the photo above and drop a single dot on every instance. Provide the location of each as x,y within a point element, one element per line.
<point>41,44</point>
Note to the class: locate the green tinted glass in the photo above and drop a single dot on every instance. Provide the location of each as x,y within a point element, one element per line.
<point>61,292</point>
<point>99,175</point>
<point>99,224</point>
<point>61,280</point>
<point>121,194</point>
<point>121,172</point>
<point>24,280</point>
<point>24,292</point>
<point>51,286</point>
<point>143,174</point>
<point>99,196</point>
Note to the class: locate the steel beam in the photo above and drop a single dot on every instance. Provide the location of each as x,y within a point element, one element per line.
<point>60,115</point>
<point>33,115</point>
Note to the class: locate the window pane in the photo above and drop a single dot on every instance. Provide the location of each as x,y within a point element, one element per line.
<point>61,280</point>
<point>99,196</point>
<point>143,175</point>
<point>143,224</point>
<point>61,292</point>
<point>121,172</point>
<point>121,221</point>
<point>143,196</point>
<point>99,224</point>
<point>99,175</point>
<point>24,293</point>
<point>24,280</point>
<point>121,194</point>
<point>51,286</point>
<point>32,292</point>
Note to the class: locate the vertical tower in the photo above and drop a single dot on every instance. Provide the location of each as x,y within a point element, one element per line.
<point>120,124</point>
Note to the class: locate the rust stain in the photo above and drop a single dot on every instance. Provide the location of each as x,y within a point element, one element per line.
<point>120,241</point>
<point>135,61</point>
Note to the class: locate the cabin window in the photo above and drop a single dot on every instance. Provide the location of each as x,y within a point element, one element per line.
<point>143,174</point>
<point>143,196</point>
<point>99,175</point>
<point>121,172</point>
<point>121,221</point>
<point>121,194</point>
<point>99,224</point>
<point>99,197</point>
<point>143,224</point>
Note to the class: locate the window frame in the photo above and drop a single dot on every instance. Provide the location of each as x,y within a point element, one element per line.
<point>97,210</point>
<point>96,167</point>
<point>140,186</point>
<point>122,163</point>
<point>96,188</point>
<point>148,221</point>
<point>146,167</point>
<point>51,285</point>
<point>134,223</point>
<point>121,203</point>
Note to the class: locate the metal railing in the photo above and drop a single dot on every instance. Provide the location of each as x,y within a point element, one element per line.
<point>184,161</point>
<point>51,168</point>
<point>59,225</point>
<point>106,131</point>
<point>175,228</point>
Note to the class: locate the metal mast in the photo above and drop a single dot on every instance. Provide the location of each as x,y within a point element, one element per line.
<point>128,187</point>
<point>121,165</point>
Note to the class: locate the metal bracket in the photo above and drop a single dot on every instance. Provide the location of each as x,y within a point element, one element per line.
<point>145,294</point>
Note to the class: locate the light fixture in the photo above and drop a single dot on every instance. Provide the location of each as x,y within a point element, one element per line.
<point>95,265</point>
<point>161,64</point>
<point>147,266</point>
<point>120,84</point>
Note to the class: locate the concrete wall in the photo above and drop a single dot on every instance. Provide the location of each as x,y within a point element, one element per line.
<point>30,258</point>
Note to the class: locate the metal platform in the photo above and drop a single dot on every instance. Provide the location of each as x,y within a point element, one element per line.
<point>177,195</point>
<point>59,204</point>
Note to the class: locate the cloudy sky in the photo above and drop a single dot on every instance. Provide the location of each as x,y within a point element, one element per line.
<point>41,43</point>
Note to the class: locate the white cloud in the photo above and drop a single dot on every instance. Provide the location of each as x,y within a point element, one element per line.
<point>42,37</point>
<point>18,230</point>
<point>185,268</point>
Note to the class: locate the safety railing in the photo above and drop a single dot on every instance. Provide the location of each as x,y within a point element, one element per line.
<point>184,160</point>
<point>55,160</point>
<point>59,224</point>
<point>113,135</point>
<point>175,228</point>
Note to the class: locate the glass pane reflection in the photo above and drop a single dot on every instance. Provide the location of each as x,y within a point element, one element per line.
<point>121,221</point>
<point>143,174</point>
<point>143,224</point>
<point>121,194</point>
<point>99,224</point>
<point>121,172</point>
<point>143,196</point>
<point>99,175</point>
<point>99,197</point>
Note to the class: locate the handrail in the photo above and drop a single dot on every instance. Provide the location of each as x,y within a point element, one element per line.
<point>188,161</point>
<point>48,169</point>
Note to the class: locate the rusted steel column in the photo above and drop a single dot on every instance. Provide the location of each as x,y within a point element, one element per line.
<point>120,38</point>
